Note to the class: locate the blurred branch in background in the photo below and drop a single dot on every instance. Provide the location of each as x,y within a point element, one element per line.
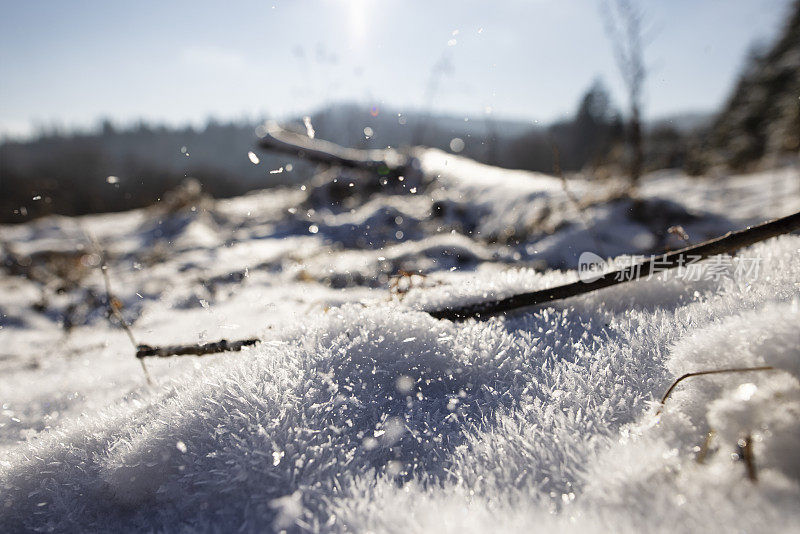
<point>624,27</point>
<point>283,141</point>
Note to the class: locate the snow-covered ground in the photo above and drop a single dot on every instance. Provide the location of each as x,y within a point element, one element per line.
<point>358,411</point>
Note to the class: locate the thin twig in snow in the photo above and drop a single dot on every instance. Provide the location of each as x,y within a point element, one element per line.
<point>223,345</point>
<point>709,372</point>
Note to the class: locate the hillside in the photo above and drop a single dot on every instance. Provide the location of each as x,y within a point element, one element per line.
<point>760,124</point>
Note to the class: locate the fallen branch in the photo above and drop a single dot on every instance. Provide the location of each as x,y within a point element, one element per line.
<point>730,242</point>
<point>223,345</point>
<point>277,139</point>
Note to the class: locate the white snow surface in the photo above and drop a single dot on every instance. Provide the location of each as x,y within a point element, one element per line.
<point>359,412</point>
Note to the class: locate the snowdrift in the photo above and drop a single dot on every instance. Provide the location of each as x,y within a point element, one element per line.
<point>358,412</point>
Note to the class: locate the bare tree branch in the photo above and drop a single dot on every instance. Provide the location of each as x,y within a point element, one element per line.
<point>624,27</point>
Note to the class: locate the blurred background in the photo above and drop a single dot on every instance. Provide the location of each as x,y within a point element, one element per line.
<point>106,106</point>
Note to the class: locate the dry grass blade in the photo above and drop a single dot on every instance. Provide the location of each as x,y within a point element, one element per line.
<point>710,372</point>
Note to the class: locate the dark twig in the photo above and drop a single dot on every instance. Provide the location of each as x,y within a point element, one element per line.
<point>711,372</point>
<point>730,242</point>
<point>223,345</point>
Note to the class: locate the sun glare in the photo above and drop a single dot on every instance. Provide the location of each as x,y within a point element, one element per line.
<point>357,20</point>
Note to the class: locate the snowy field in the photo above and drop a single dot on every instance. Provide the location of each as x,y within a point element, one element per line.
<point>358,411</point>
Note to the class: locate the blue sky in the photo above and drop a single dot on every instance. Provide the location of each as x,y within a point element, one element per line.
<point>175,62</point>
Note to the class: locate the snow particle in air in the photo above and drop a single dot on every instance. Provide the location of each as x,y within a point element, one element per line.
<point>404,384</point>
<point>313,229</point>
<point>368,132</point>
<point>181,446</point>
<point>253,158</point>
<point>394,467</point>
<point>746,391</point>
<point>112,180</point>
<point>456,144</point>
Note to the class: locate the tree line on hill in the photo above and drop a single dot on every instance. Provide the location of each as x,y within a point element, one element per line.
<point>115,168</point>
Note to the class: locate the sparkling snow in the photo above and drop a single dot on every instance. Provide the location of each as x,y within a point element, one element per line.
<point>358,411</point>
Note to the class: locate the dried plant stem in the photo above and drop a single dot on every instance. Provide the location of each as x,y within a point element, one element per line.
<point>703,452</point>
<point>748,457</point>
<point>730,242</point>
<point>113,306</point>
<point>710,372</point>
<point>745,453</point>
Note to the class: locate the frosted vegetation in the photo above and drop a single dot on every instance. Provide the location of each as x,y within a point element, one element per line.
<point>360,412</point>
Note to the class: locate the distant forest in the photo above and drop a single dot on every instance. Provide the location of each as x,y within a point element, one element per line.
<point>68,172</point>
